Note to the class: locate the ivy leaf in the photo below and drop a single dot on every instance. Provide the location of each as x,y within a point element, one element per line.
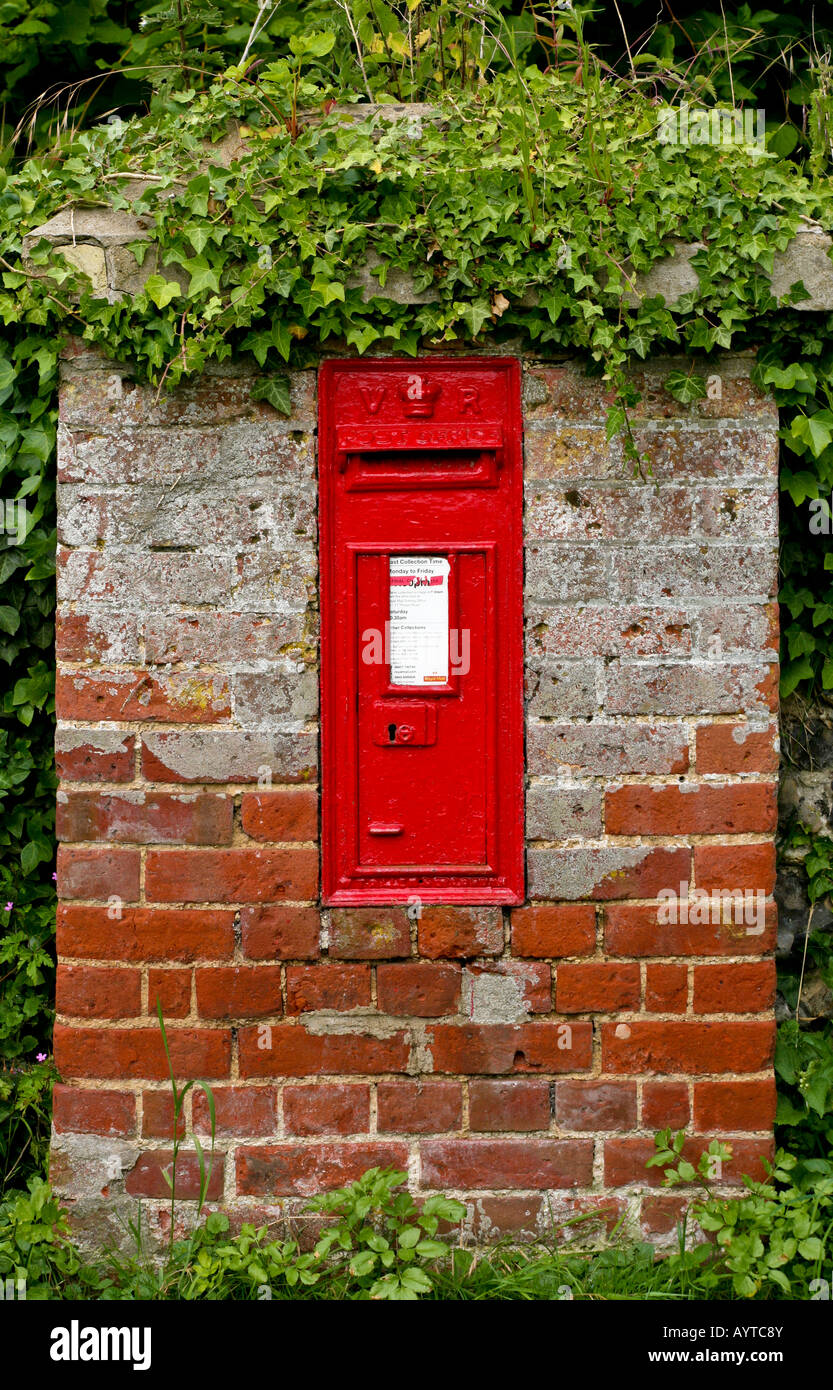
<point>685,387</point>
<point>203,277</point>
<point>161,291</point>
<point>475,315</point>
<point>811,432</point>
<point>793,673</point>
<point>9,619</point>
<point>275,390</point>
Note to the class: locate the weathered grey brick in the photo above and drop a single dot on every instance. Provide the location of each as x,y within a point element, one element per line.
<point>242,449</point>
<point>689,688</point>
<point>570,452</point>
<point>272,580</point>
<point>272,697</point>
<point>213,517</point>
<point>562,688</point>
<point>99,399</point>
<point>694,571</point>
<point>562,573</point>
<point>563,813</point>
<point>730,629</point>
<point>622,512</point>
<point>605,871</point>
<point>230,638</point>
<point>230,755</point>
<point>713,451</point>
<point>134,582</point>
<point>736,513</point>
<point>623,631</point>
<point>606,749</point>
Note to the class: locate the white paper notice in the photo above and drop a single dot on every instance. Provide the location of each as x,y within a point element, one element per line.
<point>418,620</point>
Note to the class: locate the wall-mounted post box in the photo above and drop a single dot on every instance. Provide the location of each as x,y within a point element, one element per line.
<point>421,631</point>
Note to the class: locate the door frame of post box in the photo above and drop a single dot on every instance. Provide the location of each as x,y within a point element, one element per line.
<point>506,883</point>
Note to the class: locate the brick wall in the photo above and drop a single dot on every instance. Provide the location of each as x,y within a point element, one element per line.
<point>521,1059</point>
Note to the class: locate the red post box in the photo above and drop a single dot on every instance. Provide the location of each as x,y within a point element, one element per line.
<point>421,631</point>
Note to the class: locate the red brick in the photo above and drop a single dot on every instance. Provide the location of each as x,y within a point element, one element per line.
<point>144,933</point>
<point>96,638</point>
<point>460,932</point>
<point>88,763</point>
<point>596,986</point>
<point>662,1212</point>
<point>173,990</point>
<point>634,929</point>
<point>231,875</point>
<point>532,979</point>
<point>369,933</point>
<point>607,871</point>
<point>687,1045</point>
<point>280,933</point>
<point>735,868</point>
<point>241,1111</point>
<point>625,1159</point>
<point>509,1105</point>
<point>180,697</point>
<point>595,1105</point>
<point>288,813</point>
<point>730,748</point>
<point>666,989</point>
<point>327,1108</point>
<point>98,873</point>
<point>418,989</point>
<point>730,1106</point>
<point>158,1116</point>
<point>195,818</point>
<point>327,985</point>
<point>239,991</point>
<point>147,1177</point>
<point>506,1163</point>
<point>520,1217</point>
<point>281,1170</point>
<point>738,808</point>
<point>502,1048</point>
<point>665,1105</point>
<point>88,991</point>
<point>735,987</point>
<point>425,1106</point>
<point>549,929</point>
<point>93,1112</point>
<point>119,1054</point>
<point>289,1050</point>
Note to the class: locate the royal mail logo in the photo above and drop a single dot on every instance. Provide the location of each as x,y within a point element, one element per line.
<point>77,1343</point>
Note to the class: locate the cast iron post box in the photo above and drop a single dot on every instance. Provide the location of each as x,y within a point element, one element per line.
<point>421,631</point>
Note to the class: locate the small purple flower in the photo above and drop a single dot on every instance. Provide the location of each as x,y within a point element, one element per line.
<point>41,1056</point>
<point>9,906</point>
<point>54,878</point>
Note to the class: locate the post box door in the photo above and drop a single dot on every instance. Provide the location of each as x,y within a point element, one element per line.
<point>421,626</point>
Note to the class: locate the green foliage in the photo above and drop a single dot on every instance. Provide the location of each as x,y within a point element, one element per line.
<point>35,1246</point>
<point>381,1244</point>
<point>776,1239</point>
<point>804,1048</point>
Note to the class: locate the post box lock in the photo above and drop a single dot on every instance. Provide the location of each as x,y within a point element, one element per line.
<point>421,487</point>
<point>404,723</point>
